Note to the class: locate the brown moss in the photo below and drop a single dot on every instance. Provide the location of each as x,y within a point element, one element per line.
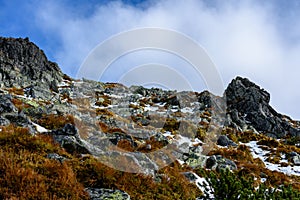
<point>231,133</point>
<point>20,105</point>
<point>107,129</point>
<point>81,102</point>
<point>103,100</point>
<point>171,124</point>
<point>66,97</point>
<point>277,178</point>
<point>172,186</point>
<point>125,145</point>
<point>26,173</point>
<point>151,145</point>
<point>133,106</point>
<point>66,77</point>
<point>16,91</point>
<point>105,112</point>
<point>112,85</point>
<point>270,142</point>
<point>201,133</point>
<point>55,121</point>
<point>242,153</point>
<point>247,165</point>
<point>246,136</point>
<point>103,127</point>
<point>115,130</point>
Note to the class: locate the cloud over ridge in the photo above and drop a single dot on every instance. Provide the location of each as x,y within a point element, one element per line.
<point>259,40</point>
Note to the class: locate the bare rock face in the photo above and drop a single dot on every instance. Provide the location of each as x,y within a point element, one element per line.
<point>24,65</point>
<point>248,104</point>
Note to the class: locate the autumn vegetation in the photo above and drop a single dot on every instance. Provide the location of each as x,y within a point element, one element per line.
<point>27,173</point>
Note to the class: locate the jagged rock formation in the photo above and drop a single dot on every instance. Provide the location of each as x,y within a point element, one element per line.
<point>248,105</point>
<point>24,65</point>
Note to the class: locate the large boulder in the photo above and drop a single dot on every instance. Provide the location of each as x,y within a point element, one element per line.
<point>6,105</point>
<point>69,138</point>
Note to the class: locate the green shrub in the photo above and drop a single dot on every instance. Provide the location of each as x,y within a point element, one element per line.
<point>228,185</point>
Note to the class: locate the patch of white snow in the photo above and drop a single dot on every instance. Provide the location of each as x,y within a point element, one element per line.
<point>257,152</point>
<point>39,128</point>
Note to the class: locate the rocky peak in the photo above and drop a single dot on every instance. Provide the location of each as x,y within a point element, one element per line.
<point>241,90</point>
<point>23,64</point>
<point>248,105</point>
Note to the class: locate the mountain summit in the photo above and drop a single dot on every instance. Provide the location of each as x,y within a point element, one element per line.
<point>62,138</point>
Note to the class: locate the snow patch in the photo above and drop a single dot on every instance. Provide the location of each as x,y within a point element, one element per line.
<point>203,185</point>
<point>115,96</point>
<point>257,152</point>
<point>181,140</point>
<point>39,128</point>
<point>167,133</point>
<point>187,110</point>
<point>150,108</point>
<point>63,84</point>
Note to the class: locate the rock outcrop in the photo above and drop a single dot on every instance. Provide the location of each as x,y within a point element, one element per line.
<point>9,114</point>
<point>248,105</point>
<point>69,139</point>
<point>24,65</point>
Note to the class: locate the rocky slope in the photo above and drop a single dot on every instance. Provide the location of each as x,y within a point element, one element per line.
<point>120,143</point>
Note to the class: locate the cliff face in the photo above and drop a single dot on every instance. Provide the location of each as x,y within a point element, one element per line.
<point>71,139</point>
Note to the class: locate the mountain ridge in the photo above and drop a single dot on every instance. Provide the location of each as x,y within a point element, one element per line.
<point>88,118</point>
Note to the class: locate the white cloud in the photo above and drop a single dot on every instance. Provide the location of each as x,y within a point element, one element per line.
<point>242,37</point>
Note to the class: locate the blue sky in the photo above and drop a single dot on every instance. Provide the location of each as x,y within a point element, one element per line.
<point>252,38</point>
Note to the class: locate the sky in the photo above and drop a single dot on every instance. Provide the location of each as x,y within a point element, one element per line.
<point>256,39</point>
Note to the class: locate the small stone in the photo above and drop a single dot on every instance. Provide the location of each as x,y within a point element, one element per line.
<point>217,162</point>
<point>148,147</point>
<point>101,193</point>
<point>57,157</point>
<point>296,159</point>
<point>224,141</point>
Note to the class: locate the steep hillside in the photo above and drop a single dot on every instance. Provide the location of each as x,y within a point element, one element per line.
<point>62,138</point>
